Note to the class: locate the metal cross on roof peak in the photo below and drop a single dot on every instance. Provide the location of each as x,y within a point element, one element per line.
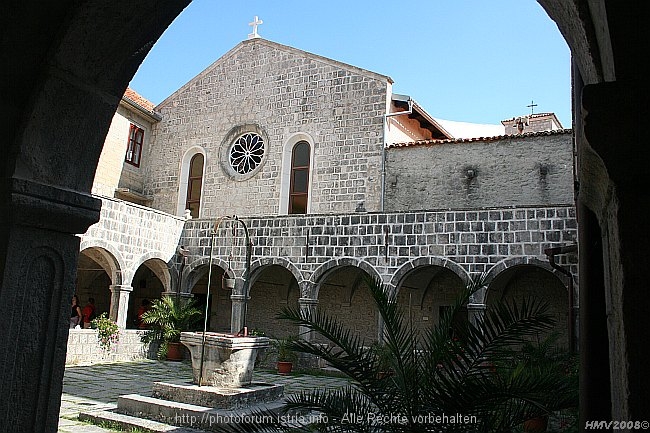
<point>256,22</point>
<point>531,106</point>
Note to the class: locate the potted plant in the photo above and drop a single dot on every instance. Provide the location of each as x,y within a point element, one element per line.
<point>286,354</point>
<point>108,332</point>
<point>545,359</point>
<point>383,358</point>
<point>168,317</point>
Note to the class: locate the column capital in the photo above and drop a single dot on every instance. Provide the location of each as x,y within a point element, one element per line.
<point>117,288</point>
<point>235,297</point>
<point>173,294</point>
<point>307,301</point>
<point>48,207</point>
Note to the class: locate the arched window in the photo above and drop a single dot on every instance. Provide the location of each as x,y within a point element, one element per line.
<point>299,187</point>
<point>194,184</point>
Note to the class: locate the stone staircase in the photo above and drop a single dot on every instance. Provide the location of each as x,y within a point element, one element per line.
<point>188,408</point>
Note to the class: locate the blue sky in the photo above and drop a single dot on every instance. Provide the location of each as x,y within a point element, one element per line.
<point>466,60</point>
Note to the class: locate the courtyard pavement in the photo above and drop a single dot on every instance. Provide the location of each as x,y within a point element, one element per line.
<point>98,386</point>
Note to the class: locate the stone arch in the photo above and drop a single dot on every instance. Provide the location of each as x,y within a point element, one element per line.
<point>323,270</point>
<point>285,180</point>
<point>426,287</point>
<point>341,289</point>
<point>194,282</point>
<point>100,268</point>
<point>523,279</point>
<point>258,264</point>
<point>184,177</point>
<point>109,256</point>
<point>442,262</point>
<point>275,284</point>
<point>44,103</point>
<point>162,269</point>
<point>509,263</point>
<point>149,281</point>
<point>190,275</point>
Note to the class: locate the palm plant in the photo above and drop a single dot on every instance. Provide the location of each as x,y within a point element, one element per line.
<point>168,317</point>
<point>436,383</point>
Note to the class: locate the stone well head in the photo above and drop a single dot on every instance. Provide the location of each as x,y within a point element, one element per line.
<point>228,361</point>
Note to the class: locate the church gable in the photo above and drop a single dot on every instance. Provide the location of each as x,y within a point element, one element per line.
<point>272,95</point>
<point>288,56</point>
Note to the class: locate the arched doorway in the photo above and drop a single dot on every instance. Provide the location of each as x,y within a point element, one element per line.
<point>426,293</point>
<point>343,293</point>
<point>530,281</point>
<point>220,308</point>
<point>149,282</point>
<point>273,289</point>
<point>97,270</point>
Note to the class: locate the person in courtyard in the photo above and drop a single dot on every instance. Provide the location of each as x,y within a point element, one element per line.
<point>75,315</point>
<point>144,307</point>
<point>88,312</point>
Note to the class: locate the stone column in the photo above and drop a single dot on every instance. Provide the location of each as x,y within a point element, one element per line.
<point>237,312</point>
<point>38,262</point>
<point>475,312</point>
<point>119,303</point>
<point>307,306</point>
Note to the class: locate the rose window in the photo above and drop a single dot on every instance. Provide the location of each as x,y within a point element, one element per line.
<point>246,153</point>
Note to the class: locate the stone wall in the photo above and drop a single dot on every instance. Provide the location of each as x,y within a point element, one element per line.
<point>132,234</point>
<point>527,170</point>
<point>283,94</point>
<point>84,348</point>
<point>468,242</point>
<point>112,171</point>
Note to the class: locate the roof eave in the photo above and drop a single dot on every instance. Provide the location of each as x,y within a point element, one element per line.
<point>152,115</point>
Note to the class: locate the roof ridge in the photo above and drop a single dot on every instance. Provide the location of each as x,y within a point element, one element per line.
<point>474,139</point>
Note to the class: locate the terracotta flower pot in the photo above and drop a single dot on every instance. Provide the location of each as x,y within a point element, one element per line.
<point>174,352</point>
<point>536,425</point>
<point>284,367</point>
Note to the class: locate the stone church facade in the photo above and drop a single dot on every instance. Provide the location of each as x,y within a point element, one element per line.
<point>335,178</point>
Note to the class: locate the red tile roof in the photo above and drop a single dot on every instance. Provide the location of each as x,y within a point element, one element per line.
<point>134,97</point>
<point>485,139</point>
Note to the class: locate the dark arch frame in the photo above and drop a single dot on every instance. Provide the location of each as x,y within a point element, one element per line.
<point>71,62</point>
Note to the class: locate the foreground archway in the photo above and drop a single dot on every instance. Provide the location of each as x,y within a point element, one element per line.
<point>65,67</point>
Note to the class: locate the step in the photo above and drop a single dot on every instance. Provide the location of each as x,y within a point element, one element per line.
<point>220,398</point>
<point>128,422</point>
<point>184,414</point>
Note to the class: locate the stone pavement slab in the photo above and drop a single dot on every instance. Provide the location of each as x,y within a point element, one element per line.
<point>96,387</point>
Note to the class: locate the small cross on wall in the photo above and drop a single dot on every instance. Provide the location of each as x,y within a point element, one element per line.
<point>256,22</point>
